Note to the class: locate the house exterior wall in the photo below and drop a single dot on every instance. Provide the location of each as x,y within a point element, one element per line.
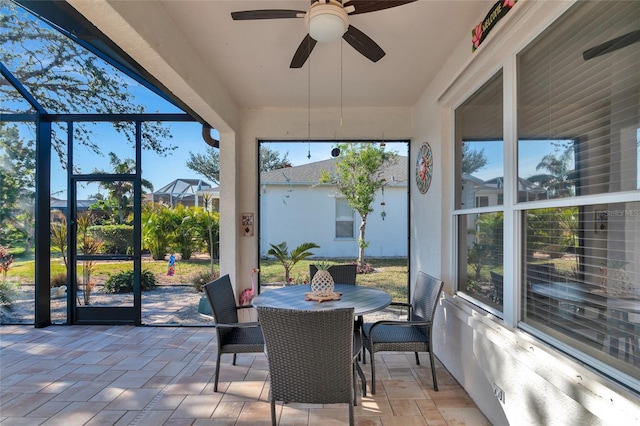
<point>542,385</point>
<point>299,214</point>
<point>272,124</point>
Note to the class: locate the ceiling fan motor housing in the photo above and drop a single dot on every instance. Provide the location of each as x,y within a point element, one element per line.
<point>327,20</point>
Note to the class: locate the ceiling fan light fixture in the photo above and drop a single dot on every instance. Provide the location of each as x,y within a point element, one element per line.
<point>327,21</point>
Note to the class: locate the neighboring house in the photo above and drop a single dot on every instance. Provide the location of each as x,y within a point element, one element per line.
<point>188,192</point>
<point>82,205</point>
<point>58,205</point>
<point>479,193</point>
<point>295,207</point>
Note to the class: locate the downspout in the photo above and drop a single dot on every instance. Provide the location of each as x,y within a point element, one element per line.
<point>206,135</point>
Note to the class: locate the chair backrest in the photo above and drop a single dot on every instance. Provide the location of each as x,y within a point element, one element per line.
<point>425,298</point>
<point>497,281</point>
<point>310,354</point>
<point>541,273</point>
<point>222,300</point>
<point>341,274</point>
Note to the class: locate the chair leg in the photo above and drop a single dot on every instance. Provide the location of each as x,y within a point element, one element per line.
<point>433,370</point>
<point>373,371</point>
<point>353,378</point>
<point>215,383</point>
<point>363,379</point>
<point>273,413</point>
<point>417,359</point>
<point>351,419</point>
<point>234,359</point>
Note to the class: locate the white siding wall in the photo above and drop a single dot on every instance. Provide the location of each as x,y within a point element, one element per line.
<point>298,214</point>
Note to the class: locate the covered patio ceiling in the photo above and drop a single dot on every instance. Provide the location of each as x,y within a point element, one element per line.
<point>208,60</point>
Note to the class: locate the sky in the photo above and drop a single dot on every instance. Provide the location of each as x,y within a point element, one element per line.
<point>161,170</point>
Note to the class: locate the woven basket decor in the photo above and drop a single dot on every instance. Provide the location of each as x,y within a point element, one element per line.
<point>322,284</point>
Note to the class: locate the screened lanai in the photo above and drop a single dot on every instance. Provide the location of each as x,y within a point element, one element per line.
<point>538,321</point>
<point>70,142</point>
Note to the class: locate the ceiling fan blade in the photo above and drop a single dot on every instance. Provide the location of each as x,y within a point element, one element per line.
<point>612,45</point>
<point>246,15</point>
<point>365,6</point>
<point>363,44</point>
<point>303,52</point>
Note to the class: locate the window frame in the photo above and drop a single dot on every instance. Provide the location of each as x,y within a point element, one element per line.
<point>341,219</point>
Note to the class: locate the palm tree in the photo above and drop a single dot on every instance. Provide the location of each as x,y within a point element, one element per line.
<point>121,191</point>
<point>281,252</point>
<point>560,178</point>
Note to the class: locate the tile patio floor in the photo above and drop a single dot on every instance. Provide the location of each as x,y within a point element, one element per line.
<point>122,375</point>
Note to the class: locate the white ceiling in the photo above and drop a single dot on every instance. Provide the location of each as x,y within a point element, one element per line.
<point>251,58</point>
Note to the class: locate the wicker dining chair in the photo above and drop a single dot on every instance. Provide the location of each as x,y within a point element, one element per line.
<point>341,274</point>
<point>233,337</point>
<point>413,335</point>
<point>311,356</point>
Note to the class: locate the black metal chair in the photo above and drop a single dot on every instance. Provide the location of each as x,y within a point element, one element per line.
<point>341,274</point>
<point>413,335</point>
<point>311,356</point>
<point>233,337</point>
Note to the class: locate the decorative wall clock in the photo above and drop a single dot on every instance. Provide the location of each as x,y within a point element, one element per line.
<point>424,168</point>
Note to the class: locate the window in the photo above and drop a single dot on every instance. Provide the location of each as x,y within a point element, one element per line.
<point>480,179</point>
<point>578,154</point>
<point>575,197</point>
<point>344,219</point>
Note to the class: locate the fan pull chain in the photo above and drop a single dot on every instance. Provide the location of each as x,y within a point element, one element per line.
<point>309,102</point>
<point>341,86</point>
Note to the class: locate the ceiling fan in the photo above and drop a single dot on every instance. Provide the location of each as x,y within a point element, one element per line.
<point>328,20</point>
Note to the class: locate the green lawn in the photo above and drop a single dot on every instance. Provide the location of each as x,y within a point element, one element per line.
<point>389,274</point>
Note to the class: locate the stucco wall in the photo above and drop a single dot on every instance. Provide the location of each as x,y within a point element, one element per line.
<point>542,385</point>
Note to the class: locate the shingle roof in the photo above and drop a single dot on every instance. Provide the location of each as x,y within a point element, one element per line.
<point>309,174</point>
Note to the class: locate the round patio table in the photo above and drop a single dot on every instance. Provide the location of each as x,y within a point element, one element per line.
<point>364,300</point>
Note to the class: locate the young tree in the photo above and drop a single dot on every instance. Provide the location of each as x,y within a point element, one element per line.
<point>358,176</point>
<point>59,237</point>
<point>208,164</point>
<point>66,78</point>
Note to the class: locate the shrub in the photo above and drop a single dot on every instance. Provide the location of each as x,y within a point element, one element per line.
<point>7,294</point>
<point>5,262</point>
<point>184,230</point>
<point>122,282</point>
<point>204,277</point>
<point>364,269</point>
<point>156,226</point>
<point>60,279</point>
<point>116,238</point>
